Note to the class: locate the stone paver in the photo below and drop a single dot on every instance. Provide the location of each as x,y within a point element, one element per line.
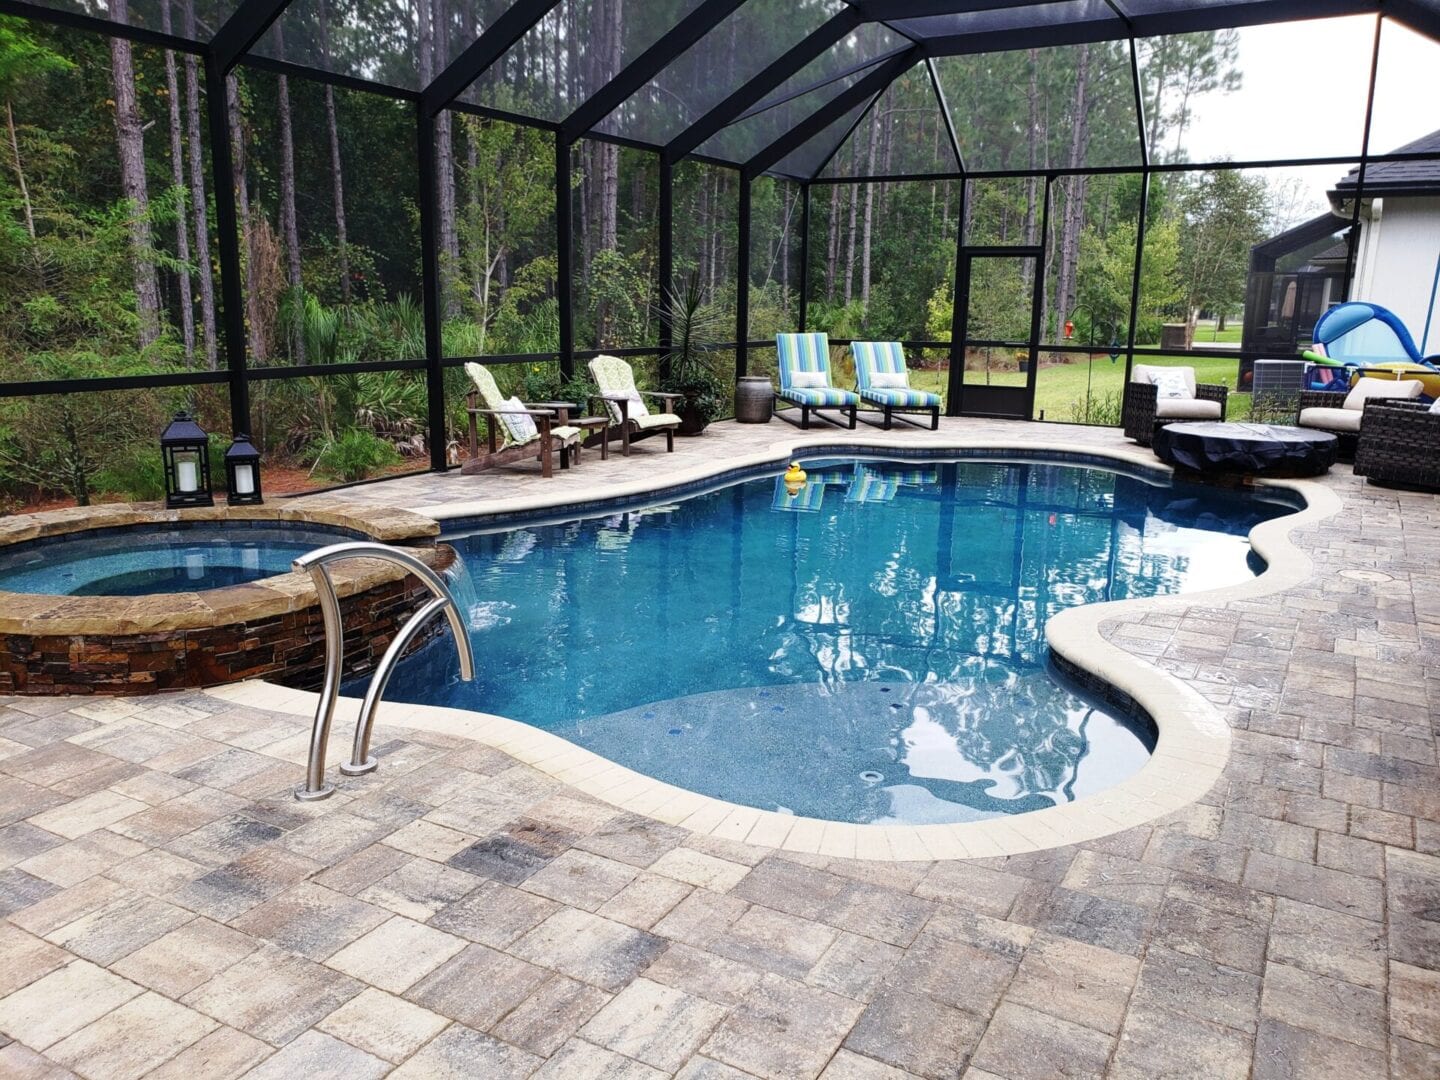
<point>169,911</point>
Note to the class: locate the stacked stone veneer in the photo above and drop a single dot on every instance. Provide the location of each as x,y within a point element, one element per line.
<point>270,629</point>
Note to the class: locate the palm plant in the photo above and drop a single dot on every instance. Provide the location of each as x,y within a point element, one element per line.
<point>693,322</point>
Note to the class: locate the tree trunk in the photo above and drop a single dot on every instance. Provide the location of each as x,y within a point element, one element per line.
<point>850,242</point>
<point>603,175</point>
<point>832,251</point>
<point>477,259</point>
<point>130,141</point>
<point>449,238</point>
<point>198,207</point>
<point>1074,221</point>
<point>289,225</point>
<point>869,211</point>
<point>77,460</point>
<point>177,174</point>
<point>337,174</point>
<point>1032,135</point>
<point>254,322</point>
<point>1154,110</point>
<point>607,64</point>
<point>20,172</point>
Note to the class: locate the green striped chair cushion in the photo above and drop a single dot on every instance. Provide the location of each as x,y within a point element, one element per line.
<point>820,395</point>
<point>887,358</point>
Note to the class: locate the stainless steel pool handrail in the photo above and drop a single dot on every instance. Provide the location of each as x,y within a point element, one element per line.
<point>317,563</point>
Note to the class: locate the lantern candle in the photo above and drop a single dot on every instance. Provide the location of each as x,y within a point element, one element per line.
<point>184,450</point>
<point>186,476</point>
<point>242,472</point>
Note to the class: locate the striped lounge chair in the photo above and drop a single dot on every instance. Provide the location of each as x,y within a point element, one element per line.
<point>805,380</point>
<point>884,381</point>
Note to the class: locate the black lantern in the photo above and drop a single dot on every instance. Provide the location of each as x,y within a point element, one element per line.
<point>185,451</point>
<point>242,473</point>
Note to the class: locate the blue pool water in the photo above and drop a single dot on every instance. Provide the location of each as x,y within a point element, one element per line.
<point>136,560</point>
<point>870,650</point>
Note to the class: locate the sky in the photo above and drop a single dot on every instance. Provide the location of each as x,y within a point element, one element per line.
<point>1303,95</point>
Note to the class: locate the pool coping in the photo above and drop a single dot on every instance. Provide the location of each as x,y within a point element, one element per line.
<point>52,615</point>
<point>1190,756</point>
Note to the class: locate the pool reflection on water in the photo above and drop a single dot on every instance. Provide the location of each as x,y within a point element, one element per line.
<point>869,649</point>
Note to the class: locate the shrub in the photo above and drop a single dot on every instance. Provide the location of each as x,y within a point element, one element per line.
<point>1102,409</point>
<point>139,477</point>
<point>353,455</point>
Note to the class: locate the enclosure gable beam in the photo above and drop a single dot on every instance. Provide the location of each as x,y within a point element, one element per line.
<point>892,10</point>
<point>634,75</point>
<point>1419,17</point>
<point>1107,27</point>
<point>103,27</point>
<point>945,114</point>
<point>754,91</point>
<point>493,43</point>
<point>256,62</point>
<point>243,29</point>
<point>833,110</point>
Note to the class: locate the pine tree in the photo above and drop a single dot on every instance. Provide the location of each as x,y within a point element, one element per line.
<point>130,142</point>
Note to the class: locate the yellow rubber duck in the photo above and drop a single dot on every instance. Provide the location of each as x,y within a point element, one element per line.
<point>794,479</point>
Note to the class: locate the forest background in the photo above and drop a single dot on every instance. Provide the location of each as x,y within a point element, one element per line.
<point>108,252</point>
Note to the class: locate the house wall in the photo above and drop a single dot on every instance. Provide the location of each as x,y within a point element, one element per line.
<point>1399,250</point>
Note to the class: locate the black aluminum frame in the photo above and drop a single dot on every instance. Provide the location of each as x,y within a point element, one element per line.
<point>231,44</point>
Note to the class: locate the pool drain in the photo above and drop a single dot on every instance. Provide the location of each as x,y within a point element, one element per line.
<point>870,776</point>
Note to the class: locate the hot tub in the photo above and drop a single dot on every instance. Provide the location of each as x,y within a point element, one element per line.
<point>127,599</point>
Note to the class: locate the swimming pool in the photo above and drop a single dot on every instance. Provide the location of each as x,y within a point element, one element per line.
<point>139,560</point>
<point>870,649</point>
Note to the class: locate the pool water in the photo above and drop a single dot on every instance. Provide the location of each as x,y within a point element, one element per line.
<point>868,650</point>
<point>134,561</point>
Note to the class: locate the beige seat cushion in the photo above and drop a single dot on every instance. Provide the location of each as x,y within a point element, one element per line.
<point>1332,419</point>
<point>1145,373</point>
<point>655,420</point>
<point>1366,387</point>
<point>1186,409</point>
<point>560,434</point>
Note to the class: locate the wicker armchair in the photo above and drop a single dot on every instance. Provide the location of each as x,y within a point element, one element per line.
<point>1327,399</point>
<point>1141,402</point>
<point>1399,444</point>
<point>1327,410</point>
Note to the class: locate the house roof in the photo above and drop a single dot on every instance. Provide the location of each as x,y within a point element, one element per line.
<point>1400,177</point>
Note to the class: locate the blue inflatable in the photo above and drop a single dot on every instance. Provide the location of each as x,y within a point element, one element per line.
<point>1367,339</point>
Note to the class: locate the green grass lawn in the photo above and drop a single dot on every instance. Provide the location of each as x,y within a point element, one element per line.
<point>1060,388</point>
<point>1205,332</point>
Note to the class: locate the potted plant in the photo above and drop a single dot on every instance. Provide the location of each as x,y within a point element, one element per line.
<point>693,320</point>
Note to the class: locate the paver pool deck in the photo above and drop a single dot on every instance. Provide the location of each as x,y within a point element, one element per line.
<point>171,911</point>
